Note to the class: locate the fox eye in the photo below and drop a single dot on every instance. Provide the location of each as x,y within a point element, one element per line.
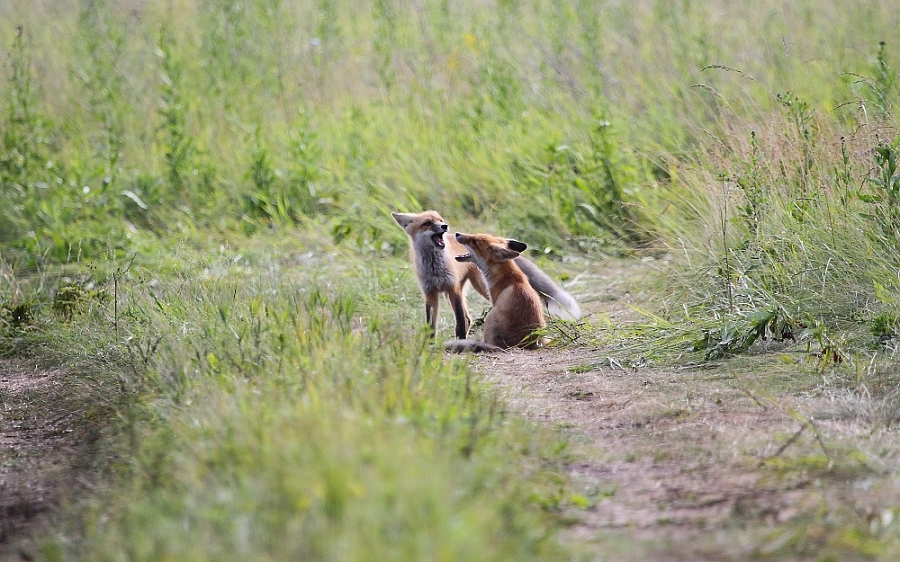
<point>428,223</point>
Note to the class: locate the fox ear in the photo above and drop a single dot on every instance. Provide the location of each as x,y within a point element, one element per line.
<point>503,254</point>
<point>516,246</point>
<point>403,219</point>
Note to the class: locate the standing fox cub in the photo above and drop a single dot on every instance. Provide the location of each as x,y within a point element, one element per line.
<point>439,272</point>
<point>436,269</point>
<point>517,310</point>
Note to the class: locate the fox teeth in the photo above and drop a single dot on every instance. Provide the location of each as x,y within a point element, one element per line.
<point>438,240</point>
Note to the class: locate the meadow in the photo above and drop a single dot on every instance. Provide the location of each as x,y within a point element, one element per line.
<point>195,202</point>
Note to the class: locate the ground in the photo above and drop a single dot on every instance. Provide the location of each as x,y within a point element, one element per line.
<point>705,460</point>
<point>46,444</point>
<point>692,460</point>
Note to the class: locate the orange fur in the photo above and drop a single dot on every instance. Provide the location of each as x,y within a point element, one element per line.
<point>517,310</point>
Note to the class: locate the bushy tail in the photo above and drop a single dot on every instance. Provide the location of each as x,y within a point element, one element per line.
<point>563,306</point>
<point>560,303</point>
<point>470,346</point>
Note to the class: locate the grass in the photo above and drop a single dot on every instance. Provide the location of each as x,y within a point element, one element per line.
<point>276,413</point>
<point>199,191</point>
<point>292,112</point>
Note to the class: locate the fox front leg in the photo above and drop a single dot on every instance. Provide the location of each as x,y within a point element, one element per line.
<point>463,321</point>
<point>431,311</point>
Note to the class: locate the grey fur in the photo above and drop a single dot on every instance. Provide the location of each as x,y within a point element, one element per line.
<point>432,263</point>
<point>470,346</point>
<point>560,303</point>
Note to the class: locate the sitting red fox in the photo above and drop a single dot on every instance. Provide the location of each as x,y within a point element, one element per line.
<point>438,272</point>
<point>517,310</point>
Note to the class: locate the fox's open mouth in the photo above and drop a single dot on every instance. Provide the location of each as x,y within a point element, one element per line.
<point>464,257</point>
<point>438,239</point>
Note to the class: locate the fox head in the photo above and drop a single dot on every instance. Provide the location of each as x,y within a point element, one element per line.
<point>427,224</point>
<point>488,249</point>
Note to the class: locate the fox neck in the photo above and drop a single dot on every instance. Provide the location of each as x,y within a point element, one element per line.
<point>501,275</point>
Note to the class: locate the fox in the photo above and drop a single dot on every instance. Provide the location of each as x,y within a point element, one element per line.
<point>438,272</point>
<point>517,312</point>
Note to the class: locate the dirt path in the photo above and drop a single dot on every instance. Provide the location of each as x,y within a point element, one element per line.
<point>657,457</point>
<point>41,444</point>
<point>706,461</point>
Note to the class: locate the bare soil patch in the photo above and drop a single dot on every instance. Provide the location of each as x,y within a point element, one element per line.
<point>42,443</point>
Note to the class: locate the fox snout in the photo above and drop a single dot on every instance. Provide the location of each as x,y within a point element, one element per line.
<point>438,229</point>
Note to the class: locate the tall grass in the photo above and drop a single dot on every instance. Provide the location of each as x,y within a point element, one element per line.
<point>796,214</point>
<point>581,108</point>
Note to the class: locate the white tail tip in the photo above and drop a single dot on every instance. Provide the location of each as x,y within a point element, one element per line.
<point>567,310</point>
